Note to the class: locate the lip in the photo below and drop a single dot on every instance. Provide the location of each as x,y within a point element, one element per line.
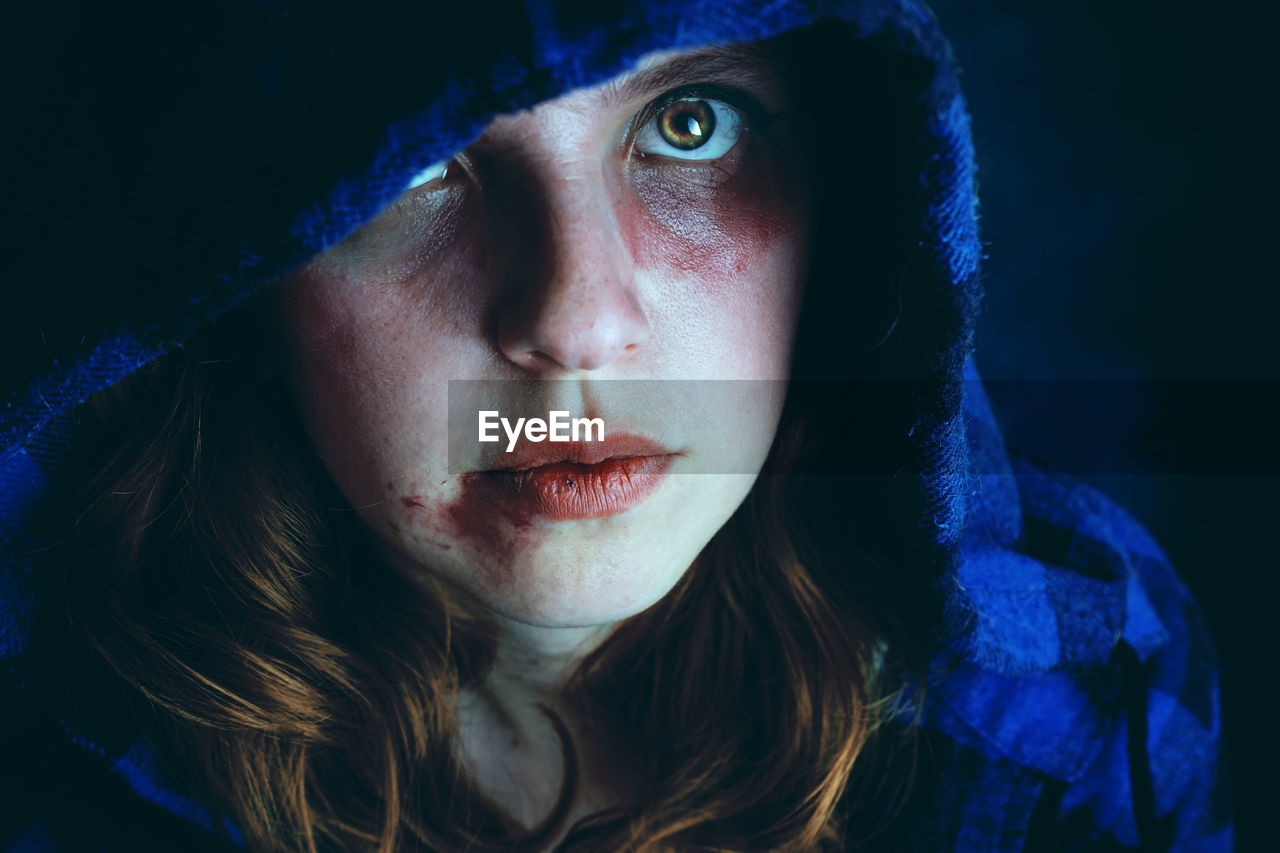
<point>566,481</point>
<point>617,446</point>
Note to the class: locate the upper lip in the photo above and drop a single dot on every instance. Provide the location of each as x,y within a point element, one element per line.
<point>615,446</point>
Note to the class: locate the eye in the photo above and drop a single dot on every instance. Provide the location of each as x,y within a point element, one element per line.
<point>436,172</point>
<point>691,129</point>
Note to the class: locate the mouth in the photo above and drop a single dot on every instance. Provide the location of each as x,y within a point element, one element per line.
<point>575,480</point>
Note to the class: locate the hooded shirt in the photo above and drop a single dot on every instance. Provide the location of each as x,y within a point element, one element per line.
<point>179,160</point>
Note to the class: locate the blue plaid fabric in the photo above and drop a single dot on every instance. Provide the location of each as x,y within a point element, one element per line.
<point>1075,702</point>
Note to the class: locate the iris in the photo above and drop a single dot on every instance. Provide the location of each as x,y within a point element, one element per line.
<point>687,124</point>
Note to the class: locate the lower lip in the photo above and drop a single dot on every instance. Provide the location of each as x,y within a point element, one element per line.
<point>567,491</point>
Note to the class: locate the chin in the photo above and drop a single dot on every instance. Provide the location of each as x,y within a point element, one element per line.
<point>577,580</point>
<point>589,572</point>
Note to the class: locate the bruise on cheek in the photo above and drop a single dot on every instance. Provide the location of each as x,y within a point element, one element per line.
<point>393,275</point>
<point>316,325</point>
<point>409,236</point>
<point>715,231</point>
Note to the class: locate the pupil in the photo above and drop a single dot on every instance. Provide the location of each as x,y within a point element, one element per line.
<point>687,124</point>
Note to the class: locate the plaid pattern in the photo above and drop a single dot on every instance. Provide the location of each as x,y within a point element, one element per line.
<point>1087,679</point>
<point>1079,702</point>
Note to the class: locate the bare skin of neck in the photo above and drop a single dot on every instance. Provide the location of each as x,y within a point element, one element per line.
<point>510,748</point>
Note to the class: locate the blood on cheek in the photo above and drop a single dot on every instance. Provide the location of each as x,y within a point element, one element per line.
<point>469,521</point>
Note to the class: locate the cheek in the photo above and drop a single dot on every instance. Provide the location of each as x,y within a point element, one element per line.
<point>356,380</point>
<point>331,330</point>
<point>732,259</point>
<point>466,519</point>
<point>718,234</point>
<point>377,323</point>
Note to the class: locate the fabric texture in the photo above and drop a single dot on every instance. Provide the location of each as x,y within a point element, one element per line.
<point>1076,705</point>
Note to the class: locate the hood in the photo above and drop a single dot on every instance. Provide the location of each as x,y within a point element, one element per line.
<point>180,159</point>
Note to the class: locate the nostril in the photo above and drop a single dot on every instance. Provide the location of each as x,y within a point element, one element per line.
<point>537,360</point>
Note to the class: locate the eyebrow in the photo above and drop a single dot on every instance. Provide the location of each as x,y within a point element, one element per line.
<point>742,63</point>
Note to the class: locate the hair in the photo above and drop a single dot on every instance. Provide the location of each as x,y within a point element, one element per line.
<point>291,680</point>
<point>206,562</point>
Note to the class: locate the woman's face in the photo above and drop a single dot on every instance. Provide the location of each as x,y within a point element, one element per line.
<point>652,228</point>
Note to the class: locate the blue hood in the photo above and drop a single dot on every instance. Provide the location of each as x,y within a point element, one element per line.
<point>183,159</point>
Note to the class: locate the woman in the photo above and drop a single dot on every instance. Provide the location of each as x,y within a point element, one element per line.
<point>797,598</point>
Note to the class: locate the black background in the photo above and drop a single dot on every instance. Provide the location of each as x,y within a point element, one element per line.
<point>1127,160</point>
<point>1127,168</point>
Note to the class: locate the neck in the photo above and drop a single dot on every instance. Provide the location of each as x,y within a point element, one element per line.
<point>533,664</point>
<point>508,743</point>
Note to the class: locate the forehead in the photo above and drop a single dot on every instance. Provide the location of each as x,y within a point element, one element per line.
<point>743,64</point>
<point>755,66</point>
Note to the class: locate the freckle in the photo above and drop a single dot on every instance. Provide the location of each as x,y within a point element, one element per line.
<point>390,485</point>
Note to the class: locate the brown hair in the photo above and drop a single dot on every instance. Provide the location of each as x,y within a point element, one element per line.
<point>205,561</point>
<point>291,681</point>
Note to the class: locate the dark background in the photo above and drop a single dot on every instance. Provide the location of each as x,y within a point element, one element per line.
<point>1127,160</point>
<point>1126,155</point>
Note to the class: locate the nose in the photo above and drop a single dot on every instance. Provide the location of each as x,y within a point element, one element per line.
<point>581,310</point>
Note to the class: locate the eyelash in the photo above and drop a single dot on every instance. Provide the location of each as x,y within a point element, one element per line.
<point>755,119</point>
<point>457,165</point>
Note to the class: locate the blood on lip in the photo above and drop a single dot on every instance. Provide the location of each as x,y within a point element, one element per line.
<point>562,491</point>
<point>495,510</point>
<point>620,445</point>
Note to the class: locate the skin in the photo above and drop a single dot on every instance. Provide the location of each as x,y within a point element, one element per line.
<point>559,246</point>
